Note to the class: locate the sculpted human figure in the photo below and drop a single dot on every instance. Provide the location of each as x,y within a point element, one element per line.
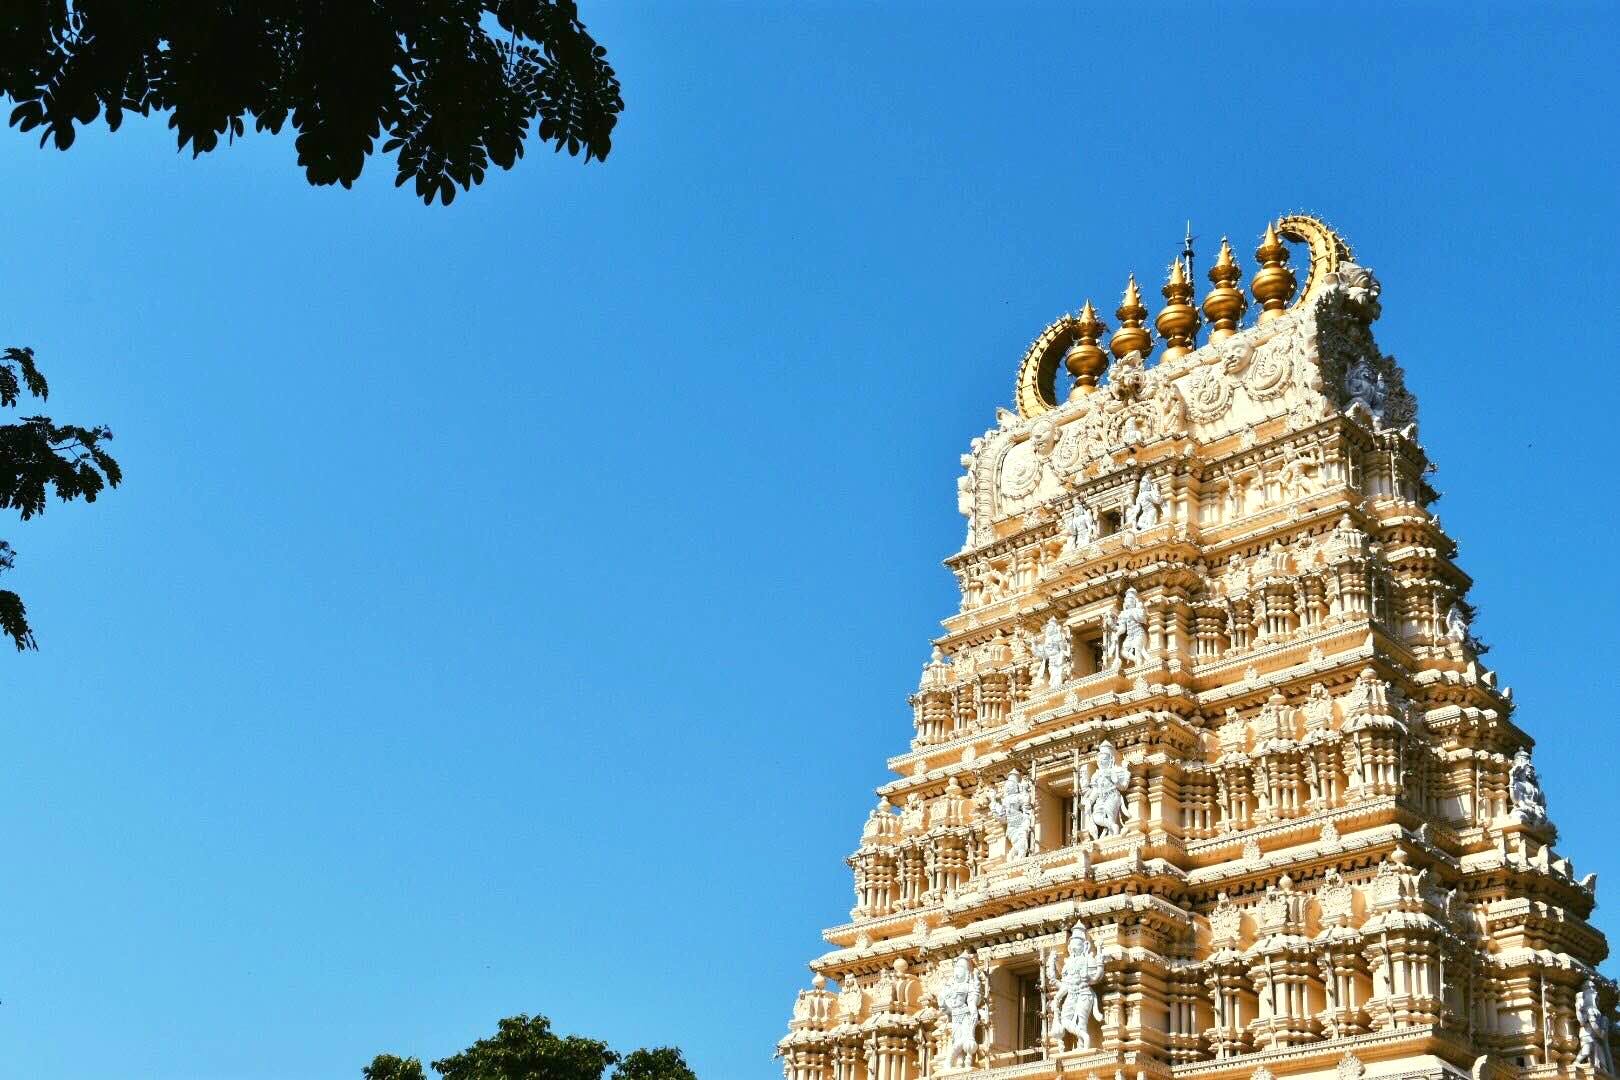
<point>1524,787</point>
<point>1456,625</point>
<point>1365,389</point>
<point>965,1008</point>
<point>1594,1030</point>
<point>1103,794</point>
<point>1125,634</point>
<point>1147,508</point>
<point>1014,807</point>
<point>1080,527</point>
<point>1074,1002</point>
<point>1054,655</point>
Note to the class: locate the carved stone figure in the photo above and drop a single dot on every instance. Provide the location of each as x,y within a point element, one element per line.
<point>1456,625</point>
<point>1054,655</point>
<point>1074,1002</point>
<point>1103,794</point>
<point>1125,634</point>
<point>1524,788</point>
<point>1080,528</point>
<point>1364,388</point>
<point>1594,1030</point>
<point>966,1007</point>
<point>1147,508</point>
<point>1014,807</point>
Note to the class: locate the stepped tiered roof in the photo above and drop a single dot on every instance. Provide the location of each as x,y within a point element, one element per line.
<point>1208,778</point>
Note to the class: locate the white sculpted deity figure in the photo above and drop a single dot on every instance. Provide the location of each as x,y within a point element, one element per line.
<point>1594,1030</point>
<point>1364,388</point>
<point>1074,1002</point>
<point>1147,508</point>
<point>1080,528</point>
<point>1054,655</point>
<point>1125,634</point>
<point>1102,794</point>
<point>965,1004</point>
<point>1014,807</point>
<point>1456,625</point>
<point>1524,787</point>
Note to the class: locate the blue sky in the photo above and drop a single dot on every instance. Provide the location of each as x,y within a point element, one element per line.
<point>510,606</point>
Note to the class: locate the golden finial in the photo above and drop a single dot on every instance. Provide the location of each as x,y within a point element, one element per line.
<point>1273,283</point>
<point>1085,360</point>
<point>1178,321</point>
<point>1225,304</point>
<point>1131,336</point>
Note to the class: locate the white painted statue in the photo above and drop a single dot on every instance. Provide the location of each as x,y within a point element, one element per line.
<point>1102,794</point>
<point>1074,1002</point>
<point>1524,787</point>
<point>1125,634</point>
<point>1014,807</point>
<point>1594,1030</point>
<point>966,1006</point>
<point>1456,625</point>
<point>1054,655</point>
<point>1147,508</point>
<point>1080,528</point>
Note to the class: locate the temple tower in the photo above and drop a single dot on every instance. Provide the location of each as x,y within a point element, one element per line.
<point>1207,777</point>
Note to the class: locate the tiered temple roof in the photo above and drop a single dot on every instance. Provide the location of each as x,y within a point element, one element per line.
<point>1207,777</point>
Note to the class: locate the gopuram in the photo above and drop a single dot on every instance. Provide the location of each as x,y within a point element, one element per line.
<point>1208,779</point>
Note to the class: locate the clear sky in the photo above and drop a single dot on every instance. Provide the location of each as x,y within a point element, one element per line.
<point>510,606</point>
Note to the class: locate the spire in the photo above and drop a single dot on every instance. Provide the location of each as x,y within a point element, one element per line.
<point>1178,321</point>
<point>1225,304</point>
<point>1273,283</point>
<point>1086,360</point>
<point>1131,336</point>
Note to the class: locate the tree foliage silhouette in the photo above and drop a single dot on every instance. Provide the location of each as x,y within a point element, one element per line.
<point>449,86</point>
<point>525,1048</point>
<point>39,458</point>
<point>389,1067</point>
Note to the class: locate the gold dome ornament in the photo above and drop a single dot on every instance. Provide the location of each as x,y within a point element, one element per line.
<point>1085,359</point>
<point>1225,304</point>
<point>1273,283</point>
<point>1178,321</point>
<point>1132,335</point>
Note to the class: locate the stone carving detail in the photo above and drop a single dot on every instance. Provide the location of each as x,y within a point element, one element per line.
<point>1053,655</point>
<point>1125,634</point>
<point>1350,1067</point>
<point>1103,794</point>
<point>1080,528</point>
<point>965,1000</point>
<point>1147,508</point>
<point>1014,807</point>
<point>1457,626</point>
<point>1074,1000</point>
<point>1524,788</point>
<point>1209,394</point>
<point>1594,1030</point>
<point>1272,364</point>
